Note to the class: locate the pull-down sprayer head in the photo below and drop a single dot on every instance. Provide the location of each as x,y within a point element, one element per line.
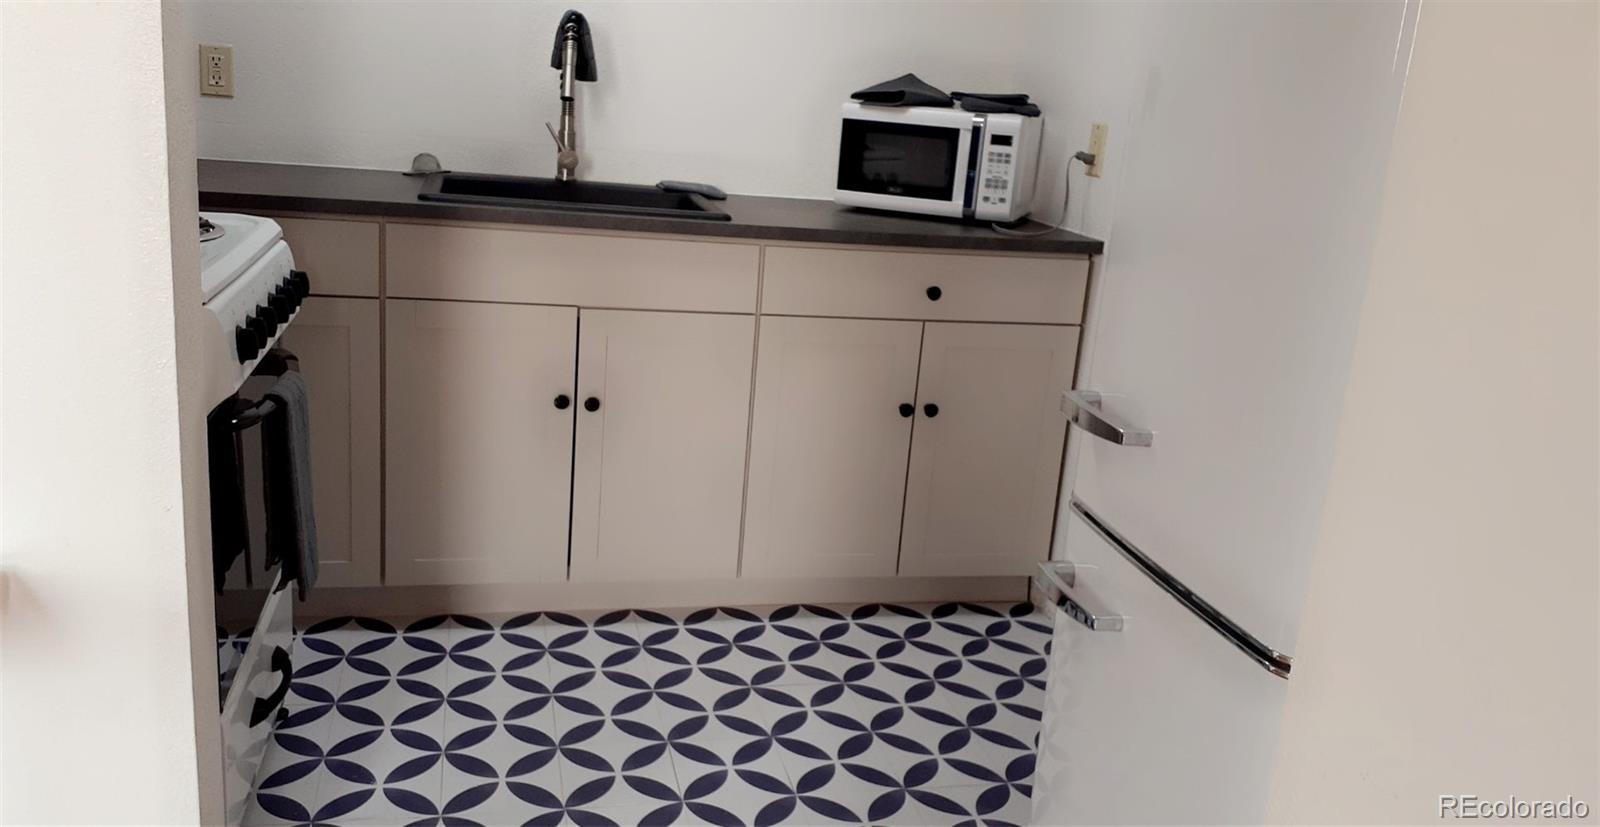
<point>574,28</point>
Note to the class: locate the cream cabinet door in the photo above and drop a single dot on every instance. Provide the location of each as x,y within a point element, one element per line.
<point>986,458</point>
<point>478,457</point>
<point>658,476</point>
<point>828,446</point>
<point>337,342</point>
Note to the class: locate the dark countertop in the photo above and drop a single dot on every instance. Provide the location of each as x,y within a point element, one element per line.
<point>246,186</point>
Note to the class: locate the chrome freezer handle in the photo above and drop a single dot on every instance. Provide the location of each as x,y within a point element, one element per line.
<point>1083,409</point>
<point>1265,656</point>
<point>1062,577</point>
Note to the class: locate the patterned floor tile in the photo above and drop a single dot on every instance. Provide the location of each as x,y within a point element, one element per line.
<point>875,714</point>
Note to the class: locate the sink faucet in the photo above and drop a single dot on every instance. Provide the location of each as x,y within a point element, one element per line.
<point>574,56</point>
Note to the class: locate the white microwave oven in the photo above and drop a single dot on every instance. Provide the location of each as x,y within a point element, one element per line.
<point>937,161</point>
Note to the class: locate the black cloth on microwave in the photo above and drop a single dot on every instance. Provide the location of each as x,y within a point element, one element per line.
<point>996,103</point>
<point>906,90</point>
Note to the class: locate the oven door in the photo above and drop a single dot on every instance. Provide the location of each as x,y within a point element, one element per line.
<point>255,594</point>
<point>911,159</point>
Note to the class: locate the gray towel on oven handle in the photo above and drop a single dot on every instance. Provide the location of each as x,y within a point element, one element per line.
<point>292,519</point>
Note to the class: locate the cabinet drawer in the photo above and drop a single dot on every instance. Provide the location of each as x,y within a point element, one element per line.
<point>531,267</point>
<point>812,281</point>
<point>341,256</point>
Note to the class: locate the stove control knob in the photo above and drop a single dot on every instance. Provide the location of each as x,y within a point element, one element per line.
<point>248,344</point>
<point>288,292</point>
<point>260,327</point>
<point>267,317</point>
<point>301,282</point>
<point>280,306</point>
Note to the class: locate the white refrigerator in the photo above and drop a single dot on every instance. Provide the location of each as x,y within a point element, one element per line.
<point>1243,180</point>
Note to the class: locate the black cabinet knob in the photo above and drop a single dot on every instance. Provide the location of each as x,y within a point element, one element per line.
<point>907,409</point>
<point>591,404</point>
<point>930,410</point>
<point>563,402</point>
<point>934,293</point>
<point>248,344</point>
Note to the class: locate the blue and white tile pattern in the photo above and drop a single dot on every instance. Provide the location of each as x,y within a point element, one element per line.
<point>879,714</point>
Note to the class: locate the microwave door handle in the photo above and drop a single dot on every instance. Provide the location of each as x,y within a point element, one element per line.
<point>969,195</point>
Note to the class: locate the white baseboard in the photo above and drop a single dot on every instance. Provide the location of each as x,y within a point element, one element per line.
<point>418,601</point>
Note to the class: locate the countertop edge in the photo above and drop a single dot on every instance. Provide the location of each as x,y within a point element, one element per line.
<point>239,194</point>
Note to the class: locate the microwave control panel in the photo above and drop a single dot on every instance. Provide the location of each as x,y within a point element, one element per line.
<point>1006,162</point>
<point>997,167</point>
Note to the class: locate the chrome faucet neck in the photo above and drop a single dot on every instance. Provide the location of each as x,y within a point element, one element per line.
<point>567,136</point>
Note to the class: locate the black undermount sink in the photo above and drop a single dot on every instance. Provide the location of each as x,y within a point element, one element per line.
<point>570,196</point>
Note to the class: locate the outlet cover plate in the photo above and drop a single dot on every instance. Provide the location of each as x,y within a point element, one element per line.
<point>1097,145</point>
<point>216,70</point>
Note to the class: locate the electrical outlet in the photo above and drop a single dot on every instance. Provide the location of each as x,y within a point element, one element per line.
<point>216,70</point>
<point>1097,146</point>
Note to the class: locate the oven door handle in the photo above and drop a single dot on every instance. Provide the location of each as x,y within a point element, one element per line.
<point>264,707</point>
<point>276,362</point>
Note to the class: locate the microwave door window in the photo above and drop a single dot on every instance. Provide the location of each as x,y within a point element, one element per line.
<point>907,160</point>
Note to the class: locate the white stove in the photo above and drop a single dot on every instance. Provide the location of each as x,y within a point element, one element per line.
<point>249,284</point>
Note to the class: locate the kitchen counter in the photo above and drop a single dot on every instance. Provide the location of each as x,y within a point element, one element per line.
<point>248,186</point>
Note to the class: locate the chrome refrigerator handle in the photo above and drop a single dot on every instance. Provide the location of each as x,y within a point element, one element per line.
<point>1264,656</point>
<point>1062,577</point>
<point>1084,409</point>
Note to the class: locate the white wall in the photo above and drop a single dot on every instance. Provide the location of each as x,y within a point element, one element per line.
<point>1089,62</point>
<point>1450,638</point>
<point>744,95</point>
<point>105,717</point>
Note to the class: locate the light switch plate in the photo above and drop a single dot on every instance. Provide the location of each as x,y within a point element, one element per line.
<point>216,70</point>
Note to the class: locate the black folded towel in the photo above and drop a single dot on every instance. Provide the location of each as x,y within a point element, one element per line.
<point>996,102</point>
<point>906,90</point>
<point>585,68</point>
<point>230,531</point>
<point>286,467</point>
<point>997,97</point>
